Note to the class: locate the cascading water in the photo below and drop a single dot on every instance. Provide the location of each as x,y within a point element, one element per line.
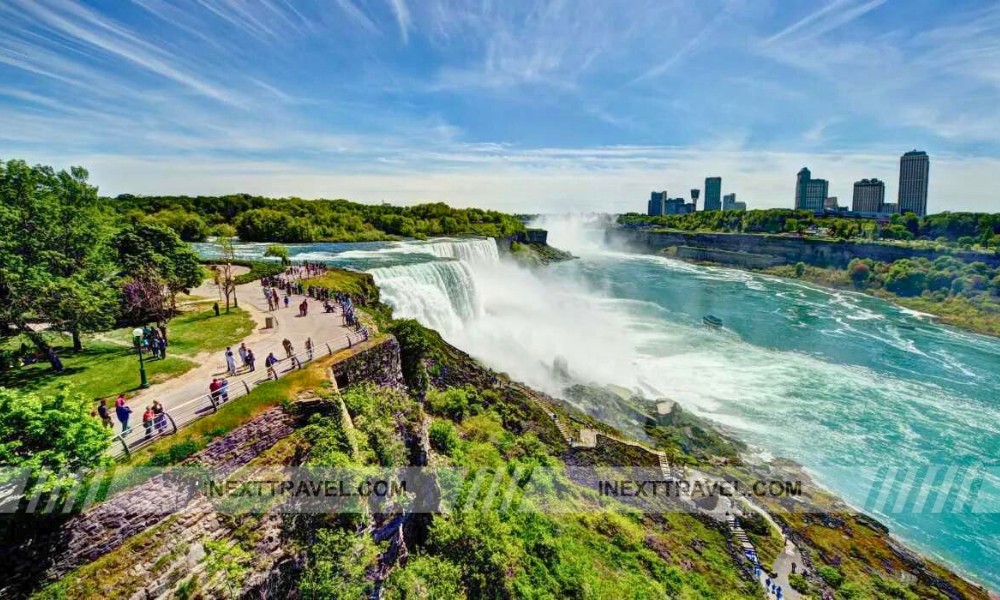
<point>440,294</point>
<point>473,250</point>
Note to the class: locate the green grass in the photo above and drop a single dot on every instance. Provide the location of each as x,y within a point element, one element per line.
<point>360,286</point>
<point>101,369</point>
<point>108,366</point>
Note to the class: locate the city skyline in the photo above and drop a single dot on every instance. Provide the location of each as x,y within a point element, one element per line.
<point>516,105</point>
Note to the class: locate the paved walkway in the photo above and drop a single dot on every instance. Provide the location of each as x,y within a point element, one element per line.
<point>320,326</point>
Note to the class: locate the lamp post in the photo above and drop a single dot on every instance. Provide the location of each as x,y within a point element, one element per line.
<point>137,340</point>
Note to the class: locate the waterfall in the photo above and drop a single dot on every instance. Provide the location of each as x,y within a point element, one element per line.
<point>516,320</point>
<point>473,251</point>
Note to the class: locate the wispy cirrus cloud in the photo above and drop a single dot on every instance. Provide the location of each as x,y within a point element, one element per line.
<point>402,13</point>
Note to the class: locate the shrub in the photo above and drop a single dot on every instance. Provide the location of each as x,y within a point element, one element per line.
<point>173,454</point>
<point>800,269</point>
<point>859,271</point>
<point>798,583</point>
<point>831,575</point>
<point>443,437</point>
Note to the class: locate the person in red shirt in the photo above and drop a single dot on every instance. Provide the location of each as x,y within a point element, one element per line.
<point>213,388</point>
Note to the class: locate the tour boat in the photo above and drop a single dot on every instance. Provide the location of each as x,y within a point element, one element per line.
<point>712,321</point>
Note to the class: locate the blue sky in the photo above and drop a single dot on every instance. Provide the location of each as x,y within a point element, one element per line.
<point>529,106</point>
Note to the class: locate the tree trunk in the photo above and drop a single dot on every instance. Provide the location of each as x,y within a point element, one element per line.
<point>77,343</point>
<point>40,343</point>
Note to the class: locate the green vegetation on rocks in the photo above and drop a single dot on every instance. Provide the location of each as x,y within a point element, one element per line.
<point>533,255</point>
<point>958,293</point>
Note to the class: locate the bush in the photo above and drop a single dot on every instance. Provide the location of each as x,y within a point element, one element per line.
<point>50,434</point>
<point>800,269</point>
<point>173,454</point>
<point>454,403</point>
<point>798,583</point>
<point>859,272</point>
<point>831,575</point>
<point>443,437</point>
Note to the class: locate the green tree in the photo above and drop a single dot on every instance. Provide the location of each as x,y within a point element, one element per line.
<point>53,436</point>
<point>157,266</point>
<point>800,269</point>
<point>54,258</point>
<point>859,271</point>
<point>278,251</point>
<point>188,225</point>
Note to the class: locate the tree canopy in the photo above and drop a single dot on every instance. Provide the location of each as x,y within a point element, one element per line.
<point>71,263</point>
<point>261,219</point>
<point>51,435</point>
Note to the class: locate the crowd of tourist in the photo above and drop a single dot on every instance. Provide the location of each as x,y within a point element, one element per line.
<point>154,340</point>
<point>153,418</point>
<point>151,339</point>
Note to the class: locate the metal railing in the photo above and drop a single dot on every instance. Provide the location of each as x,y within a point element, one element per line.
<point>141,434</point>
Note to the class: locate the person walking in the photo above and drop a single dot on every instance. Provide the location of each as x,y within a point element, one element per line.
<point>159,416</point>
<point>243,354</point>
<point>122,411</point>
<point>287,300</point>
<point>250,360</point>
<point>102,411</point>
<point>230,361</point>
<point>309,347</point>
<point>213,389</point>
<point>147,421</point>
<point>269,362</point>
<point>162,345</point>
<point>287,345</point>
<point>224,390</point>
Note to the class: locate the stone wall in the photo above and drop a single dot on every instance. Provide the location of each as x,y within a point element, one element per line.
<point>533,236</point>
<point>790,249</point>
<point>741,259</point>
<point>376,361</point>
<point>105,527</point>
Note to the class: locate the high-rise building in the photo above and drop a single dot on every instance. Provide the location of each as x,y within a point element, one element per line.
<point>914,170</point>
<point>810,194</point>
<point>869,196</point>
<point>713,193</point>
<point>740,206</point>
<point>657,204</point>
<point>831,203</point>
<point>729,202</point>
<point>677,206</point>
<point>695,193</point>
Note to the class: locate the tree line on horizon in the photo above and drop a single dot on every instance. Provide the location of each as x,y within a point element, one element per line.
<point>963,229</point>
<point>290,220</point>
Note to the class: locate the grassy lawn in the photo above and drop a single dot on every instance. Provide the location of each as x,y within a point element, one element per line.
<point>107,365</point>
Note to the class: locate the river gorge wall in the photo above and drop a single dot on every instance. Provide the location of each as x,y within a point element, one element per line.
<point>756,251</point>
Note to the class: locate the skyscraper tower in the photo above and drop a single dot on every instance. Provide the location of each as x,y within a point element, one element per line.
<point>810,194</point>
<point>914,169</point>
<point>694,199</point>
<point>713,193</point>
<point>869,196</point>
